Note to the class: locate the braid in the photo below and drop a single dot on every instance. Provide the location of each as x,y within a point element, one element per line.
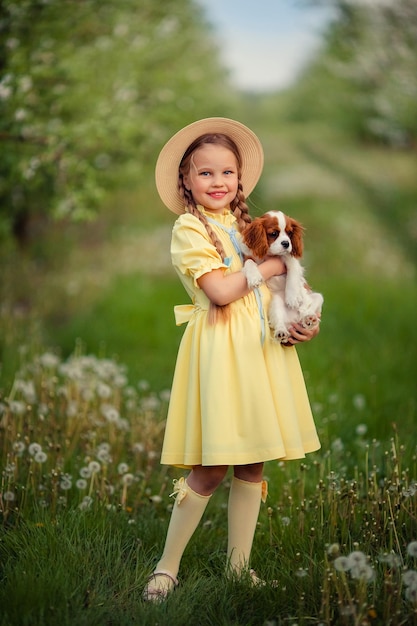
<point>240,209</point>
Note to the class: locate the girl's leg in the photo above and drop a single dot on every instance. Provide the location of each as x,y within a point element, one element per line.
<point>186,514</point>
<point>243,510</point>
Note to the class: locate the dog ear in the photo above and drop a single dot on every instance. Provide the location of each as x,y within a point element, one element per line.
<point>254,236</point>
<point>297,232</point>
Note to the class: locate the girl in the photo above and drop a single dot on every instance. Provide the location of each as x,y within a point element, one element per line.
<point>238,398</point>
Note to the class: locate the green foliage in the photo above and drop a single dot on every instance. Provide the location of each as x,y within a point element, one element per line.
<point>80,112</point>
<point>364,80</point>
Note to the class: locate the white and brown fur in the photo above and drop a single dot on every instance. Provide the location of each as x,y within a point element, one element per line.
<point>292,299</point>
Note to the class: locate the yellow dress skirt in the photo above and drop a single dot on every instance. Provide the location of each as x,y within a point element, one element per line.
<point>237,396</point>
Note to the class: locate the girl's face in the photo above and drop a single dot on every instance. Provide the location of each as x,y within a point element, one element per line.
<point>213,177</point>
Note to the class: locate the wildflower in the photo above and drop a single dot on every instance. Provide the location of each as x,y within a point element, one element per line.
<point>103,391</point>
<point>48,360</point>
<point>103,456</point>
<point>337,445</point>
<point>72,409</point>
<point>19,447</point>
<point>301,573</point>
<point>356,559</point>
<point>359,402</point>
<point>128,479</point>
<point>86,503</point>
<point>81,484</point>
<point>85,472</point>
<point>410,578</point>
<point>110,413</point>
<point>412,549</point>
<point>362,572</point>
<point>342,564</point>
<point>9,470</point>
<point>392,560</point>
<point>17,407</point>
<point>40,457</point>
<point>333,549</point>
<point>361,429</point>
<point>165,395</point>
<point>411,594</point>
<point>65,482</point>
<point>94,467</point>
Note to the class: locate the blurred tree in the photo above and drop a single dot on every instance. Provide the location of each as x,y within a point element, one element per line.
<point>366,77</point>
<point>89,86</point>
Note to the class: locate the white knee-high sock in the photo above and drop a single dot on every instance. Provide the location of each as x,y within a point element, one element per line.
<point>187,512</point>
<point>243,512</point>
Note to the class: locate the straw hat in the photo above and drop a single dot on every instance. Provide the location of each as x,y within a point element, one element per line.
<point>166,172</point>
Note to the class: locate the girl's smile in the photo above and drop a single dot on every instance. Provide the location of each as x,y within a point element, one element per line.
<point>213,177</point>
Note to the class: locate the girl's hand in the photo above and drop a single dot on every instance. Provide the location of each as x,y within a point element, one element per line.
<point>299,334</point>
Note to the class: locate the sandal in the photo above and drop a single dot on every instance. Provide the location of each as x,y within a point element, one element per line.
<point>159,585</point>
<point>258,582</point>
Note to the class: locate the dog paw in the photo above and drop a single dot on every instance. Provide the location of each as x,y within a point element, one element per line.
<point>310,321</point>
<point>281,336</point>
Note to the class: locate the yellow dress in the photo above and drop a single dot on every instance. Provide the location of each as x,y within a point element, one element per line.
<point>237,396</point>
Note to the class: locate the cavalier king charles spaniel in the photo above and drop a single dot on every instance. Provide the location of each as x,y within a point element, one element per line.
<point>292,299</point>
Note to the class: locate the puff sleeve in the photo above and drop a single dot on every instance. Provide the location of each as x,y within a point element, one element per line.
<point>192,252</point>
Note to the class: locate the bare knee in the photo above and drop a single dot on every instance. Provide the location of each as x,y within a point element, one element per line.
<point>205,480</point>
<point>251,473</point>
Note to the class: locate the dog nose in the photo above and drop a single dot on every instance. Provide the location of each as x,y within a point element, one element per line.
<point>285,244</point>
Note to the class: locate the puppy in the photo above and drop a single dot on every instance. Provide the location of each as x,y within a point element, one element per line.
<point>292,299</point>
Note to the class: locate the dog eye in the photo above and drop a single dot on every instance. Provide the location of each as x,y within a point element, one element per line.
<point>273,234</point>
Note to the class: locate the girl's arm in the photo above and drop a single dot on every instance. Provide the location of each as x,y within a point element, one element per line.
<point>222,289</point>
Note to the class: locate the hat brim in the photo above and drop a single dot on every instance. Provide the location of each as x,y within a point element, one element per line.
<point>166,171</point>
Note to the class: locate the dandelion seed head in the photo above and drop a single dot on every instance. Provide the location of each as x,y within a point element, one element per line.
<point>103,456</point>
<point>103,391</point>
<point>17,407</point>
<point>94,467</point>
<point>9,496</point>
<point>410,578</point>
<point>48,360</point>
<point>143,385</point>
<point>110,413</point>
<point>9,470</point>
<point>359,401</point>
<point>81,484</point>
<point>285,521</point>
<point>333,550</point>
<point>138,447</point>
<point>86,503</point>
<point>392,560</point>
<point>363,572</point>
<point>361,429</point>
<point>341,564</point>
<point>122,468</point>
<point>72,409</point>
<point>19,447</point>
<point>412,549</point>
<point>301,573</point>
<point>128,479</point>
<point>40,457</point>
<point>156,499</point>
<point>411,594</point>
<point>357,558</point>
<point>337,445</point>
<point>85,472</point>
